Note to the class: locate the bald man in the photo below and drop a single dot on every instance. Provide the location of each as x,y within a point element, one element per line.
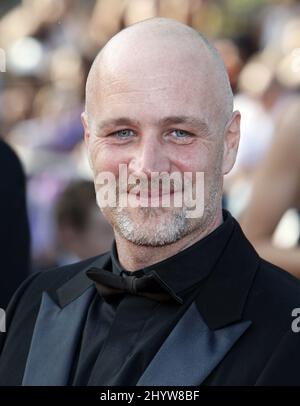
<point>182,298</point>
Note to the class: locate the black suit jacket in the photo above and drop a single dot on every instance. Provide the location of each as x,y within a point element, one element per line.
<point>237,331</point>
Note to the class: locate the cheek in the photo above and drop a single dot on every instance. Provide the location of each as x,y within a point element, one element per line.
<point>103,158</point>
<point>196,159</point>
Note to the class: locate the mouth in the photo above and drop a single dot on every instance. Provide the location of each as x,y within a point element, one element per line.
<point>154,195</point>
<point>148,199</point>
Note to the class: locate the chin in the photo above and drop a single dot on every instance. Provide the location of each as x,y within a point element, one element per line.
<point>155,228</point>
<point>151,239</point>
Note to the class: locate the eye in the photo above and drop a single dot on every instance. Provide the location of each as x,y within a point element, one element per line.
<point>180,133</point>
<point>123,134</point>
<point>180,136</point>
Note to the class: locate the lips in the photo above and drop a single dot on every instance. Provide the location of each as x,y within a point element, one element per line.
<point>148,194</point>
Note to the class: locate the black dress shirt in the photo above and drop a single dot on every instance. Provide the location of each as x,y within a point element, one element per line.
<point>120,338</point>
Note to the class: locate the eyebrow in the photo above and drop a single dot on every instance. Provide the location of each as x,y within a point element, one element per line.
<point>192,121</point>
<point>166,121</point>
<point>114,122</point>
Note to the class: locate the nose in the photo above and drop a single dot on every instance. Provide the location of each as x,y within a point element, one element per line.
<point>149,156</point>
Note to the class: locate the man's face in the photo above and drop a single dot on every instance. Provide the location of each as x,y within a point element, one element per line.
<point>157,116</point>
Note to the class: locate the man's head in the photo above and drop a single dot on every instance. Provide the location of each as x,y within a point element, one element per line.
<point>158,99</point>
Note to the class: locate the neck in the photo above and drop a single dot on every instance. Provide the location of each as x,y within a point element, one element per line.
<point>133,257</point>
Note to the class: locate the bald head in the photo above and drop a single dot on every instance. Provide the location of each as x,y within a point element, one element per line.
<point>159,101</point>
<point>171,49</point>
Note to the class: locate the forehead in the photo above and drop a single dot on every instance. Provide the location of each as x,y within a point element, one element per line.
<point>164,84</point>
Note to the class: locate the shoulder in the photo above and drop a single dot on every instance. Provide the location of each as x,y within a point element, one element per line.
<point>54,278</point>
<point>274,295</point>
<point>278,281</point>
<point>29,295</point>
<point>24,306</point>
<point>23,310</point>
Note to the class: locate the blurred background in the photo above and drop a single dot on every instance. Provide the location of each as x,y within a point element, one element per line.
<point>48,48</point>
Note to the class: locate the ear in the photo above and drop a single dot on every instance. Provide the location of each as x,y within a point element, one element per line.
<point>231,142</point>
<point>87,135</point>
<point>85,127</point>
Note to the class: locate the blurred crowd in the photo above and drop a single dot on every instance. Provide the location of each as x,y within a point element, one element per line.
<point>49,46</point>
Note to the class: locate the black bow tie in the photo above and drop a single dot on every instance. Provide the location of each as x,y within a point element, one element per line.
<point>112,286</point>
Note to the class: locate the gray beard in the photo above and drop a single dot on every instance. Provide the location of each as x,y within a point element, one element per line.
<point>172,226</point>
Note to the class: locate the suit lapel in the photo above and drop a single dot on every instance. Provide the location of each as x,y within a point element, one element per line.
<point>213,322</point>
<point>54,341</point>
<point>57,331</point>
<point>191,351</point>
